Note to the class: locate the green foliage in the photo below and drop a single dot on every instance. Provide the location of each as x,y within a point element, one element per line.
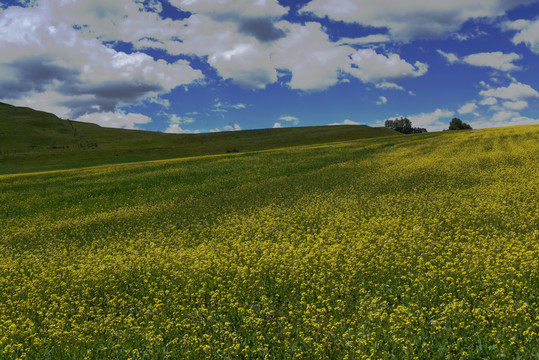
<point>457,124</point>
<point>403,125</point>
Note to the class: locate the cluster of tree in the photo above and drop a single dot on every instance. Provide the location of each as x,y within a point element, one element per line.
<point>457,124</point>
<point>403,125</point>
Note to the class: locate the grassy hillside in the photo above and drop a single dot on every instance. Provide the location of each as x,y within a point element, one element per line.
<point>418,247</point>
<point>32,141</point>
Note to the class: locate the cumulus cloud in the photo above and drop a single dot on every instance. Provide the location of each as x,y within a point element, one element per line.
<point>516,105</point>
<point>234,35</point>
<point>414,18</point>
<point>224,107</point>
<point>44,54</point>
<point>176,129</point>
<point>503,118</point>
<point>117,119</point>
<point>389,86</point>
<point>224,8</point>
<point>368,66</point>
<point>364,40</point>
<point>247,42</point>
<point>450,57</point>
<point>527,33</point>
<point>489,101</point>
<point>240,58</point>
<point>277,125</point>
<point>311,58</point>
<point>135,22</point>
<point>232,127</point>
<point>175,119</point>
<point>381,100</point>
<point>467,108</point>
<point>252,18</point>
<point>432,121</point>
<point>496,60</point>
<point>345,122</point>
<point>291,119</point>
<point>515,91</point>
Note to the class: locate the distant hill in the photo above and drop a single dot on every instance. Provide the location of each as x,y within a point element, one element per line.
<point>33,140</point>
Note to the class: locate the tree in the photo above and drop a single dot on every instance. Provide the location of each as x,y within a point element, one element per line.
<point>457,124</point>
<point>403,125</point>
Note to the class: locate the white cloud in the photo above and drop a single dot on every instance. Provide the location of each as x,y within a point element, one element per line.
<point>381,100</point>
<point>48,101</point>
<point>414,18</point>
<point>503,118</point>
<point>432,121</point>
<point>222,8</point>
<point>235,56</point>
<point>244,41</point>
<point>224,107</point>
<point>44,54</point>
<point>128,21</point>
<point>489,101</point>
<point>176,129</point>
<point>175,119</point>
<point>368,66</point>
<point>523,120</point>
<point>467,108</point>
<point>277,125</point>
<point>233,127</point>
<point>515,91</point>
<point>304,51</point>
<point>389,86</point>
<point>157,100</point>
<point>496,60</point>
<point>369,39</point>
<point>516,105</point>
<point>345,122</point>
<point>450,57</point>
<point>117,119</point>
<point>289,118</point>
<point>528,33</point>
<point>308,54</point>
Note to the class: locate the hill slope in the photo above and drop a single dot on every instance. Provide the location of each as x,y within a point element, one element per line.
<point>411,247</point>
<point>33,140</point>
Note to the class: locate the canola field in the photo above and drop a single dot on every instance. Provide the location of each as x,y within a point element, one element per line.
<point>411,247</point>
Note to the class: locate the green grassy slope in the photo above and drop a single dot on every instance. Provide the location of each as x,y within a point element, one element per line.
<point>32,141</point>
<point>411,247</point>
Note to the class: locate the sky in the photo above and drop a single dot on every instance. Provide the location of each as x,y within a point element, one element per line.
<point>190,66</point>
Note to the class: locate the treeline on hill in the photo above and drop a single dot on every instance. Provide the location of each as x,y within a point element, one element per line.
<point>457,124</point>
<point>404,125</point>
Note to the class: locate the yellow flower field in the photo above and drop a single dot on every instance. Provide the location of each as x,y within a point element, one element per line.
<point>410,247</point>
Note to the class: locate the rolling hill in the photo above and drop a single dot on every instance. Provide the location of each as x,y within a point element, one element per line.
<point>406,247</point>
<point>32,140</point>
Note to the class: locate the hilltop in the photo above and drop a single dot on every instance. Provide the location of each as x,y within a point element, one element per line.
<point>33,140</point>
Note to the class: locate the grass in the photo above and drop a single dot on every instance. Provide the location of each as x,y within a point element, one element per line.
<point>406,247</point>
<point>38,141</point>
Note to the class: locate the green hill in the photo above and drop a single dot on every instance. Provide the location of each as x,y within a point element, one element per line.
<point>32,140</point>
<point>407,247</point>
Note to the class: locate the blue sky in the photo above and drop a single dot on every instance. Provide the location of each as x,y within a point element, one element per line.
<point>187,66</point>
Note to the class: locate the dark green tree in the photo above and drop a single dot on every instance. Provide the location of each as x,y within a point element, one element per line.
<point>457,124</point>
<point>403,125</point>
